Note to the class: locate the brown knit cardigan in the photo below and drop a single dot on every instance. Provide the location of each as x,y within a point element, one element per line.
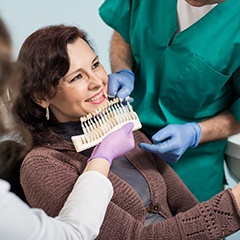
<point>49,172</point>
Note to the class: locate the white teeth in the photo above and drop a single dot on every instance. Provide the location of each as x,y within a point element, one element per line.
<point>95,98</point>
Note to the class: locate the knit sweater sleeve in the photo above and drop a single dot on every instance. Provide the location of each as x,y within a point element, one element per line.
<point>46,180</point>
<point>214,219</point>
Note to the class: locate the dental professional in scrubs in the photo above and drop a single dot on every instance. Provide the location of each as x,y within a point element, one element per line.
<point>180,61</point>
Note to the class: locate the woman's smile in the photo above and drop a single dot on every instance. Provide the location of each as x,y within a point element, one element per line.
<point>83,89</point>
<point>97,98</point>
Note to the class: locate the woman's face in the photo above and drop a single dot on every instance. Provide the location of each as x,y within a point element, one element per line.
<point>83,89</point>
<point>200,3</point>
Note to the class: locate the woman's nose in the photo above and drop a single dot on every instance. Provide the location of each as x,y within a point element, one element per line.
<point>95,81</point>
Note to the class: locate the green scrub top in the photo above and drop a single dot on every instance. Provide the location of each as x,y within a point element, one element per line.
<point>183,77</point>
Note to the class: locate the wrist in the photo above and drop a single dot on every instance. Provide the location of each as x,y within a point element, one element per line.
<point>127,71</point>
<point>100,165</point>
<point>197,133</point>
<point>96,158</point>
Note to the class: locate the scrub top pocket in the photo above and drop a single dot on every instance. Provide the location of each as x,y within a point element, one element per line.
<point>196,90</point>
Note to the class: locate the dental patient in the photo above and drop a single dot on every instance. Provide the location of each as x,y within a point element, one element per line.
<point>63,77</point>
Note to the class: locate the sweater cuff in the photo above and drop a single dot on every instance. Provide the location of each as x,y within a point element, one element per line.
<point>216,218</point>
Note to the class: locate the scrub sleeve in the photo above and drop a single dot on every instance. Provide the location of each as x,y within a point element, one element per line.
<point>183,77</point>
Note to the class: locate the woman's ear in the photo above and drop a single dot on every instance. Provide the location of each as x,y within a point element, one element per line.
<point>43,102</point>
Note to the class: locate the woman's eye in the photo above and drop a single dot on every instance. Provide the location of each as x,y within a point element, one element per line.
<point>96,64</point>
<point>79,76</point>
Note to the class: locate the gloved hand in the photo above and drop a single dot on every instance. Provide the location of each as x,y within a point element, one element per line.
<point>116,144</point>
<point>121,84</point>
<point>172,141</point>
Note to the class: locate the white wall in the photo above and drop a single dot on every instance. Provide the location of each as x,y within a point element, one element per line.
<point>25,16</point>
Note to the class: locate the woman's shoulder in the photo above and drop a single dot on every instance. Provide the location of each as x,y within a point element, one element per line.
<point>40,152</point>
<point>42,156</point>
<point>51,149</point>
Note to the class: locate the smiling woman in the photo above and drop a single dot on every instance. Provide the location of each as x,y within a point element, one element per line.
<point>77,85</point>
<point>82,89</point>
<point>61,72</point>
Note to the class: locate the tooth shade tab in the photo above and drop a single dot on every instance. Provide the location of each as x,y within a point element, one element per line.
<point>98,124</point>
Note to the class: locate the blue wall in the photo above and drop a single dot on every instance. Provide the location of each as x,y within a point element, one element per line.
<point>24,17</point>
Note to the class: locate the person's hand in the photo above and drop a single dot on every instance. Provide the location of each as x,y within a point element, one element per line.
<point>121,84</point>
<point>172,141</point>
<point>116,144</point>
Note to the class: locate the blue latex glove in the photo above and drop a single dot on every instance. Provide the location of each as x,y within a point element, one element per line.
<point>172,141</point>
<point>121,84</point>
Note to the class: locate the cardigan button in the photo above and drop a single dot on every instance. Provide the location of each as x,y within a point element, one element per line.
<point>153,208</point>
<point>156,208</point>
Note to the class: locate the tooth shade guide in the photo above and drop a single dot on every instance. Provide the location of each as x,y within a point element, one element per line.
<point>98,124</point>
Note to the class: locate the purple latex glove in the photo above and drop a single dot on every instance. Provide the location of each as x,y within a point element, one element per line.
<point>116,144</point>
<point>172,141</point>
<point>121,84</point>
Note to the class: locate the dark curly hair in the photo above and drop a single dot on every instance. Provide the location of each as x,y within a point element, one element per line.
<point>43,61</point>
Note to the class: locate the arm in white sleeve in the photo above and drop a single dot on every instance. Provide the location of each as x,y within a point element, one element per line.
<point>93,191</point>
<point>80,218</point>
